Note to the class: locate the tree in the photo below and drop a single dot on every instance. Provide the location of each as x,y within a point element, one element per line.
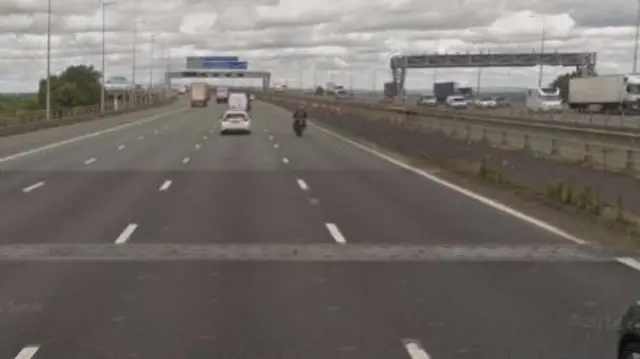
<point>75,86</point>
<point>319,90</point>
<point>562,82</point>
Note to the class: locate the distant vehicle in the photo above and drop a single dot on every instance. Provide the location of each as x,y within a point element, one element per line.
<point>629,333</point>
<point>502,101</point>
<point>222,95</point>
<point>486,102</point>
<point>606,93</point>
<point>442,90</point>
<point>544,100</point>
<point>457,101</point>
<point>235,121</point>
<point>239,101</point>
<point>199,94</point>
<point>427,100</point>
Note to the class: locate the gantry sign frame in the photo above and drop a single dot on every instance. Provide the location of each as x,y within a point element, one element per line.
<point>207,73</point>
<point>218,67</point>
<point>585,62</point>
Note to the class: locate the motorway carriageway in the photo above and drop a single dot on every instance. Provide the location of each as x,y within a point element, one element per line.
<point>162,239</point>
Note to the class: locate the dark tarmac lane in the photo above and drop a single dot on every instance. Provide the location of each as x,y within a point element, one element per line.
<point>162,240</point>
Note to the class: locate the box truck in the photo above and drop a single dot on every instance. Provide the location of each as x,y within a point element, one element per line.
<point>606,93</point>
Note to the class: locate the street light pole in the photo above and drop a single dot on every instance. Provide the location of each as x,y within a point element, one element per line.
<point>542,39</point>
<point>153,38</point>
<point>48,91</point>
<point>635,50</point>
<point>102,88</point>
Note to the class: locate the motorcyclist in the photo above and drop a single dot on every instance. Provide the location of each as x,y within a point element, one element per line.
<point>300,116</point>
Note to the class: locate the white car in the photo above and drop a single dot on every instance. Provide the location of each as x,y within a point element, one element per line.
<point>427,101</point>
<point>235,121</point>
<point>486,102</point>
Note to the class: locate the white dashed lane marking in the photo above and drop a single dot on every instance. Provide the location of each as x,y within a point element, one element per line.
<point>197,146</point>
<point>28,352</point>
<point>186,160</point>
<point>141,137</point>
<point>285,160</point>
<point>415,349</point>
<point>33,187</point>
<point>121,147</point>
<point>302,184</point>
<point>126,234</point>
<point>165,186</point>
<point>90,161</point>
<point>335,233</point>
<point>275,145</point>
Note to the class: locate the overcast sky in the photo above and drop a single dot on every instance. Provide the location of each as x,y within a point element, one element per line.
<point>291,38</point>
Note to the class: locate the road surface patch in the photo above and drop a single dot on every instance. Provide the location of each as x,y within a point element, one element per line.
<point>461,190</point>
<point>88,135</point>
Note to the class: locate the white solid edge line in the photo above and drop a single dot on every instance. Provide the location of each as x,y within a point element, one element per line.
<point>28,352</point>
<point>186,160</point>
<point>165,186</point>
<point>302,184</point>
<point>90,161</point>
<point>629,262</point>
<point>121,147</point>
<point>415,349</point>
<point>86,136</point>
<point>126,233</point>
<point>335,233</point>
<point>33,186</point>
<point>487,201</point>
<point>285,160</point>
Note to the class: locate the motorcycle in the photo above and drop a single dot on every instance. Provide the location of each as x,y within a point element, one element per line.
<point>298,128</point>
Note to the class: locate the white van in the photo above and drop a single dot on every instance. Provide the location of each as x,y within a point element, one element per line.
<point>238,101</point>
<point>544,100</point>
<point>457,101</point>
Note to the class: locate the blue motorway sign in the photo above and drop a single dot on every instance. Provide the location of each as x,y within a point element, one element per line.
<point>225,65</point>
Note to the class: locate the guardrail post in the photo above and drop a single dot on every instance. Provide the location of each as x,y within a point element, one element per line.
<point>554,147</point>
<point>588,158</point>
<point>631,160</point>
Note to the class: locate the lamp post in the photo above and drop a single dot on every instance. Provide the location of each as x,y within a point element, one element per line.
<point>102,88</point>
<point>133,54</point>
<point>48,85</point>
<point>635,50</point>
<point>542,39</point>
<point>153,39</point>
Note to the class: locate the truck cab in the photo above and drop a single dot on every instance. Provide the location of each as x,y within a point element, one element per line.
<point>544,100</point>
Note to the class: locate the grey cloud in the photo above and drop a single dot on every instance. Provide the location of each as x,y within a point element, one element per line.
<point>415,21</point>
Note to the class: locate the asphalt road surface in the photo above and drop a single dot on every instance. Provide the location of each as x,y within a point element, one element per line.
<point>165,240</point>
